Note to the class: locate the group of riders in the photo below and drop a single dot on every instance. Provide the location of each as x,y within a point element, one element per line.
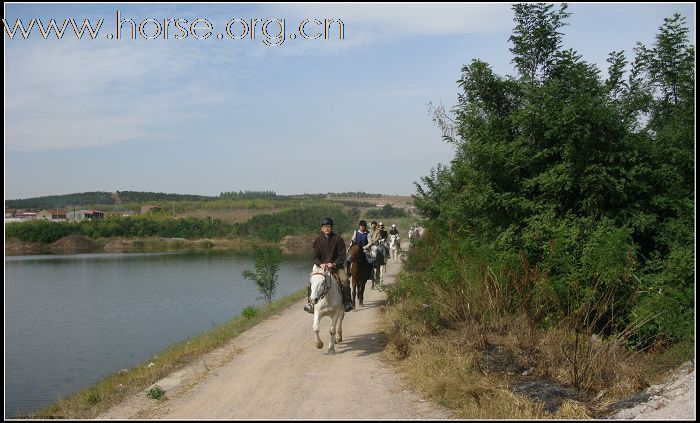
<point>329,252</point>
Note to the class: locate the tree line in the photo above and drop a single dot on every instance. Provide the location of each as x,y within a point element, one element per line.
<point>571,190</point>
<point>269,227</point>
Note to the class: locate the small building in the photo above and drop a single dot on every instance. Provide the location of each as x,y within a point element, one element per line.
<point>24,216</point>
<point>9,213</point>
<point>150,208</point>
<point>85,215</point>
<point>53,215</point>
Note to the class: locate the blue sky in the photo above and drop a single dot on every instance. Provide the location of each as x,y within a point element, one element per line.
<point>201,116</point>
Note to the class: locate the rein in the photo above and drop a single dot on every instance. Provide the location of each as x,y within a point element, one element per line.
<point>326,286</point>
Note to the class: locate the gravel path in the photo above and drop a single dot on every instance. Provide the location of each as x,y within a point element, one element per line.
<point>274,371</point>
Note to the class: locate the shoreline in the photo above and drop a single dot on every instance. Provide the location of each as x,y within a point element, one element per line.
<point>93,399</point>
<point>79,244</point>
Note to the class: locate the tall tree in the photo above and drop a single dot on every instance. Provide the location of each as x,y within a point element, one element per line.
<point>536,37</point>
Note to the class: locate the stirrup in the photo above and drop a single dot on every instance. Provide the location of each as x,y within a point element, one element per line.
<point>309,308</point>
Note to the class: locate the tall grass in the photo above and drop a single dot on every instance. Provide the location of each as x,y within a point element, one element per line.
<point>454,299</point>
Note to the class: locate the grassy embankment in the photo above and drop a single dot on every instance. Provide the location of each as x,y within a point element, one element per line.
<point>458,337</point>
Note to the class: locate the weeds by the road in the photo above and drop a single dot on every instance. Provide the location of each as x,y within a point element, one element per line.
<point>470,363</point>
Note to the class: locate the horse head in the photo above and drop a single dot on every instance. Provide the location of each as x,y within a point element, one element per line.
<point>355,251</point>
<point>320,284</point>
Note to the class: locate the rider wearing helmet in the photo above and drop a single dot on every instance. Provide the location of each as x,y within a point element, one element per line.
<point>329,254</point>
<point>394,230</point>
<point>362,235</point>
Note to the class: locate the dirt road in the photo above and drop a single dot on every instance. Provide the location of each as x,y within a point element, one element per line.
<point>274,371</point>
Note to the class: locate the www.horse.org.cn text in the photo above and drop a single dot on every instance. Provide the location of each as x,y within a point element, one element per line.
<point>270,32</point>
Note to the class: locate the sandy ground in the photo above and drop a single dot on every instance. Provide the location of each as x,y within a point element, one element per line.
<point>672,400</point>
<point>274,371</point>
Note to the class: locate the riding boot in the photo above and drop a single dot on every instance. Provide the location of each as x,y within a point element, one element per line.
<point>309,308</point>
<point>347,299</point>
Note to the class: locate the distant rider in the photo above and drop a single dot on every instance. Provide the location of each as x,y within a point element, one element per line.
<point>393,230</point>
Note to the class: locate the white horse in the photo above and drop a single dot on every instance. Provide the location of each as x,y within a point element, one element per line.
<point>395,247</point>
<point>328,301</point>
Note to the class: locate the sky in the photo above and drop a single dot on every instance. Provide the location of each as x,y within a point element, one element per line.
<point>241,110</point>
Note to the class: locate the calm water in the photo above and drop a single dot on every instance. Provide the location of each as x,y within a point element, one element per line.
<point>71,320</point>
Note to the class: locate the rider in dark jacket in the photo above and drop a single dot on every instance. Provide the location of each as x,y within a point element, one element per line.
<point>329,254</point>
<point>394,230</point>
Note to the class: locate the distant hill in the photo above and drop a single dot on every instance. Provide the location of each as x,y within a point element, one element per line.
<point>98,197</point>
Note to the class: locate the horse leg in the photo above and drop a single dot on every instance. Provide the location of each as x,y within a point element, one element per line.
<point>339,327</point>
<point>362,292</point>
<point>317,326</point>
<point>331,347</point>
<point>354,289</point>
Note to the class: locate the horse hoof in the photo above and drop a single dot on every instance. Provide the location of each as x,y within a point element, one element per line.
<point>331,351</point>
<point>319,345</point>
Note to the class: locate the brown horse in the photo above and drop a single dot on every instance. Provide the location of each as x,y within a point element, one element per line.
<point>361,271</point>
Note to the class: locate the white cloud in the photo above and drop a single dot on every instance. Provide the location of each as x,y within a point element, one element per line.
<point>412,19</point>
<point>70,94</point>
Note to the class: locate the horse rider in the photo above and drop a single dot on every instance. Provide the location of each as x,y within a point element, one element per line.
<point>383,235</point>
<point>373,235</point>
<point>393,230</point>
<point>329,254</point>
<point>361,236</point>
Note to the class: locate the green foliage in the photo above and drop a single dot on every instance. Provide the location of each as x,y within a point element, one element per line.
<point>155,393</point>
<point>41,231</point>
<point>386,212</point>
<point>249,312</point>
<point>92,398</point>
<point>582,186</point>
<point>248,194</point>
<point>298,221</point>
<point>535,37</point>
<point>267,264</point>
<point>117,226</point>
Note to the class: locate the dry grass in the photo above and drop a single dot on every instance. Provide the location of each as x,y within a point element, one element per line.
<point>445,367</point>
<point>93,400</point>
<point>590,363</point>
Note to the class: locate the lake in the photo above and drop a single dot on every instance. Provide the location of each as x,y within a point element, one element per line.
<point>72,320</point>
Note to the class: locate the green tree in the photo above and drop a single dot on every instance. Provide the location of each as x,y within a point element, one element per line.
<point>267,264</point>
<point>561,164</point>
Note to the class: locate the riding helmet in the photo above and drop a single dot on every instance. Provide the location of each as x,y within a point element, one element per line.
<point>327,221</point>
